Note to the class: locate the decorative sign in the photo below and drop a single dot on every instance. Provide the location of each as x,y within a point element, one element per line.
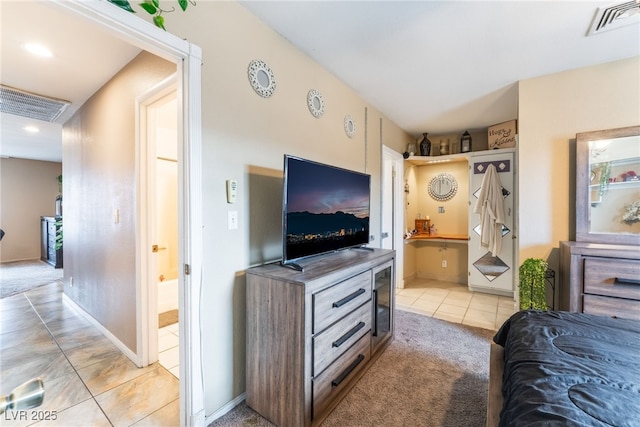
<point>502,135</point>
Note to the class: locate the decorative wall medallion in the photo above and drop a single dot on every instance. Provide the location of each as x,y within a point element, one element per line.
<point>349,126</point>
<point>315,103</point>
<point>261,78</point>
<point>443,187</point>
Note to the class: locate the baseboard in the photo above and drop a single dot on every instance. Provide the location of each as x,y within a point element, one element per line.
<point>123,348</point>
<point>225,409</point>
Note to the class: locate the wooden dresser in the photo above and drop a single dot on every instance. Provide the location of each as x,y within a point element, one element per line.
<point>600,279</point>
<point>600,271</point>
<point>312,334</point>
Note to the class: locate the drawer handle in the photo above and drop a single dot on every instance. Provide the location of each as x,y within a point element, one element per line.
<point>348,335</point>
<point>348,298</point>
<point>346,372</point>
<point>626,281</point>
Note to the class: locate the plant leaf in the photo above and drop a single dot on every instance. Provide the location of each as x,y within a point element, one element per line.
<point>151,9</point>
<point>156,3</point>
<point>159,21</point>
<point>183,4</point>
<point>123,4</point>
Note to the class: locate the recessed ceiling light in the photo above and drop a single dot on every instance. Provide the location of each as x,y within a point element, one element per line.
<point>31,129</point>
<point>38,49</point>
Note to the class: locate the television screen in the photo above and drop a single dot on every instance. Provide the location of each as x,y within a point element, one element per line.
<point>326,208</point>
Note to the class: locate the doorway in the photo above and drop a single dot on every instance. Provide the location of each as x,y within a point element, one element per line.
<point>188,59</point>
<point>392,234</point>
<point>159,146</point>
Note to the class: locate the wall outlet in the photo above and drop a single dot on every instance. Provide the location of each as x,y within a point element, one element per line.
<point>232,220</point>
<point>444,263</point>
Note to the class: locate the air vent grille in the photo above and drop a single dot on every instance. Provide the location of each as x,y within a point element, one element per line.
<point>26,104</point>
<point>615,16</point>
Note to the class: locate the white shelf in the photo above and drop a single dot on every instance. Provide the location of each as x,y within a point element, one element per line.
<point>453,158</point>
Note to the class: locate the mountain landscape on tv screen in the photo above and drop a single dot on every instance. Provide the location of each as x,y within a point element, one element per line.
<point>306,223</point>
<point>309,233</point>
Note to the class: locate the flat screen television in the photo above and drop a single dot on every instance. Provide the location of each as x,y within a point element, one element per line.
<point>325,209</point>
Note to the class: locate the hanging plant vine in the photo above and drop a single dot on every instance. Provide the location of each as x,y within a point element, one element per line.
<point>152,7</point>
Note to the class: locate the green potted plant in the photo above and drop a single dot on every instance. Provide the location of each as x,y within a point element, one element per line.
<point>532,274</point>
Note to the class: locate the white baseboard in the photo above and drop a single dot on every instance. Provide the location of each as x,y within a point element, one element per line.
<point>226,408</point>
<point>123,348</point>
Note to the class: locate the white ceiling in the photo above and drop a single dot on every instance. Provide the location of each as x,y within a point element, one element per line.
<point>430,66</point>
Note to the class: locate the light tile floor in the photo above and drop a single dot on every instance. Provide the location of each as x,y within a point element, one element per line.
<point>88,381</point>
<point>455,303</point>
<point>169,357</point>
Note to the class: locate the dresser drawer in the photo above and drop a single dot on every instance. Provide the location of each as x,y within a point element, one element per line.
<point>606,306</point>
<point>331,384</point>
<point>330,344</point>
<point>612,277</point>
<point>333,303</point>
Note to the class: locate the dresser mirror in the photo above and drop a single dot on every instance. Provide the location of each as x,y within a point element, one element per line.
<point>608,186</point>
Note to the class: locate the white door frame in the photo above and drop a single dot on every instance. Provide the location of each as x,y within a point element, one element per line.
<point>397,208</point>
<point>188,59</point>
<point>147,331</point>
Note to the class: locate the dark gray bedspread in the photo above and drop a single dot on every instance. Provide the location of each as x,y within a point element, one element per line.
<point>570,369</point>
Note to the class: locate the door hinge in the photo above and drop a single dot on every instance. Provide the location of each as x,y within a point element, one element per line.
<point>187,269</point>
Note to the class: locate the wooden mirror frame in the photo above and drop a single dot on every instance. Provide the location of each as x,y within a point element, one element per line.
<point>583,179</point>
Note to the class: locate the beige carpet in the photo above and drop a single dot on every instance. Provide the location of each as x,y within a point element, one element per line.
<point>434,373</point>
<point>20,276</point>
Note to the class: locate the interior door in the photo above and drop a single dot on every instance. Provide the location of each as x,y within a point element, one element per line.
<point>392,234</point>
<point>486,272</point>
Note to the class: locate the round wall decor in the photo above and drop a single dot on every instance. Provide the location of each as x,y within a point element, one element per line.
<point>261,78</point>
<point>315,102</point>
<point>349,126</point>
<point>443,187</point>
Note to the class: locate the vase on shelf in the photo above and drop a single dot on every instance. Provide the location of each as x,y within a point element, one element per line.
<point>425,145</point>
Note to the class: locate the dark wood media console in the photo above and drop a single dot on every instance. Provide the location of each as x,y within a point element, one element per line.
<point>312,334</point>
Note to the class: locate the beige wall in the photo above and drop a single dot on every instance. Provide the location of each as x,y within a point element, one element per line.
<point>552,109</point>
<point>28,190</point>
<point>99,169</point>
<point>245,137</point>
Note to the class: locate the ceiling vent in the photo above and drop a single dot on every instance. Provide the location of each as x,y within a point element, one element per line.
<point>615,16</point>
<point>26,104</point>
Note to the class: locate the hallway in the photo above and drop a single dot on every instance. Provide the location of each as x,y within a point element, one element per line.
<point>88,381</point>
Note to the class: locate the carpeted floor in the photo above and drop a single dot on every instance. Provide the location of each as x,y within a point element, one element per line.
<point>20,276</point>
<point>434,373</point>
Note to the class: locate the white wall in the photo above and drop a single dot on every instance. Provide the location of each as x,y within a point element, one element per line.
<point>245,137</point>
<point>552,109</point>
<point>28,190</point>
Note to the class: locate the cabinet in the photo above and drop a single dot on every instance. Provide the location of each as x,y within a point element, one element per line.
<point>600,279</point>
<point>48,252</point>
<point>311,335</point>
<point>600,271</point>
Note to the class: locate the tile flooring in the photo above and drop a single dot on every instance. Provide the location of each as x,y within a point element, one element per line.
<point>455,303</point>
<point>88,381</point>
<point>169,356</point>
